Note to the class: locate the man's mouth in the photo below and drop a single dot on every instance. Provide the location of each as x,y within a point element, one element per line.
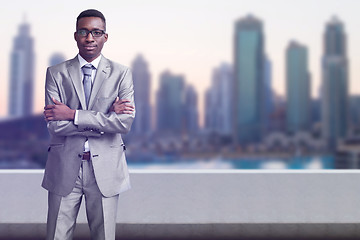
<point>89,47</point>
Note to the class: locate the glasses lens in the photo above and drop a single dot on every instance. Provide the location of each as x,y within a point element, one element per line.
<point>82,32</point>
<point>97,33</point>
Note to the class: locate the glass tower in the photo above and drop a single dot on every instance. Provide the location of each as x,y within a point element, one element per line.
<point>191,116</point>
<point>21,74</point>
<point>141,78</point>
<point>334,84</point>
<point>248,80</point>
<point>297,88</point>
<point>219,110</point>
<point>268,95</point>
<point>170,103</point>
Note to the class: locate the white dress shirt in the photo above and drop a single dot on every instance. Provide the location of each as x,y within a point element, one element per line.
<point>95,64</point>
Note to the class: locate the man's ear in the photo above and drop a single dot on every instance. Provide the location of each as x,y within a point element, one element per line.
<point>106,36</point>
<point>75,36</point>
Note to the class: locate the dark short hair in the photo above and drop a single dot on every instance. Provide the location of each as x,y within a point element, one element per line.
<point>91,13</point>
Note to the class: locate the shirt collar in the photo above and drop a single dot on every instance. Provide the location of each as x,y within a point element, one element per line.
<point>95,62</point>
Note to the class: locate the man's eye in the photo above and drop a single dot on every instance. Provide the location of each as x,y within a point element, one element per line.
<point>97,33</point>
<point>82,32</point>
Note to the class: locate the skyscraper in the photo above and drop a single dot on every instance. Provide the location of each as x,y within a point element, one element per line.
<point>334,84</point>
<point>219,105</point>
<point>56,58</point>
<point>249,80</point>
<point>269,105</point>
<point>298,112</point>
<point>210,119</point>
<point>21,73</point>
<point>191,115</point>
<point>354,109</point>
<point>170,103</point>
<point>141,78</point>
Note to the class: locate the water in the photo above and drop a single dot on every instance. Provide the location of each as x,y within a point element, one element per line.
<point>303,162</point>
<point>172,162</point>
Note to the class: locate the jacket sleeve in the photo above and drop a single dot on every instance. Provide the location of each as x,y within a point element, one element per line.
<point>61,128</point>
<point>110,122</point>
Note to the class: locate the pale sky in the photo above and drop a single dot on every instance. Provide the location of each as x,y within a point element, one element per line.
<point>188,37</point>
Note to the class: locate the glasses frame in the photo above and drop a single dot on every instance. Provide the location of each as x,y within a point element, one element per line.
<point>91,31</point>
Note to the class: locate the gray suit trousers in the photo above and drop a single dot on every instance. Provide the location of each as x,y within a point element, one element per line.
<point>101,211</point>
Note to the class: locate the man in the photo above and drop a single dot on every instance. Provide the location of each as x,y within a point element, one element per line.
<point>89,104</point>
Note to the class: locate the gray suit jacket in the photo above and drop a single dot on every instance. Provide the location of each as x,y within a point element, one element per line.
<point>102,129</point>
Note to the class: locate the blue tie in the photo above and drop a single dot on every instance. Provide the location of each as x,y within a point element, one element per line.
<point>87,69</point>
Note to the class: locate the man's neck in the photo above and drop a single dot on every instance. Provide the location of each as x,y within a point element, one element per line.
<point>95,62</point>
<point>89,60</point>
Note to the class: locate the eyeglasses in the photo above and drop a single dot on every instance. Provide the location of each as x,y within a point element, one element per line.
<point>94,33</point>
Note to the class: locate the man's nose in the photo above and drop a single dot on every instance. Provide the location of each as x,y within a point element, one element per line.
<point>89,37</point>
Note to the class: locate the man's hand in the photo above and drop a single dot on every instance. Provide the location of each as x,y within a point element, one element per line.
<point>121,106</point>
<point>58,111</point>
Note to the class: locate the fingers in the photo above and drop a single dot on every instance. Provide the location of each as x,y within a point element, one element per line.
<point>123,112</point>
<point>122,101</point>
<point>129,106</point>
<point>49,119</point>
<point>48,112</point>
<point>48,115</point>
<point>49,107</point>
<point>56,101</point>
<point>128,109</point>
<point>123,109</point>
<point>118,101</point>
<point>127,112</point>
<point>122,106</point>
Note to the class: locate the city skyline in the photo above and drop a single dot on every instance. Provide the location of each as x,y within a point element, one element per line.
<point>194,59</point>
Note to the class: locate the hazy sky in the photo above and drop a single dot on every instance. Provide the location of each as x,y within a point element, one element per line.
<point>188,37</point>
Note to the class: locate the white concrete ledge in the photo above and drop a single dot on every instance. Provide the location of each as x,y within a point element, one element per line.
<point>200,203</point>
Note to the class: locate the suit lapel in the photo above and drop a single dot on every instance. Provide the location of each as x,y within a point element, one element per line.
<point>74,72</point>
<point>102,73</point>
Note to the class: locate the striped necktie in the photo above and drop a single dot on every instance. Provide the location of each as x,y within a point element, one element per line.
<point>87,70</point>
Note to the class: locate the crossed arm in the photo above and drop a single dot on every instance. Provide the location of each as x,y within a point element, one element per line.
<point>60,117</point>
<point>60,111</point>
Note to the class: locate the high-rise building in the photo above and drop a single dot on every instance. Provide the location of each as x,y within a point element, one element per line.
<point>354,104</point>
<point>56,58</point>
<point>298,108</point>
<point>269,105</point>
<point>210,119</point>
<point>278,115</point>
<point>315,110</point>
<point>22,73</point>
<point>141,78</point>
<point>191,115</point>
<point>334,84</point>
<point>170,103</point>
<point>219,102</point>
<point>249,80</point>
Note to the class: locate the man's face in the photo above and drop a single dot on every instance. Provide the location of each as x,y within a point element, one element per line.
<point>89,46</point>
